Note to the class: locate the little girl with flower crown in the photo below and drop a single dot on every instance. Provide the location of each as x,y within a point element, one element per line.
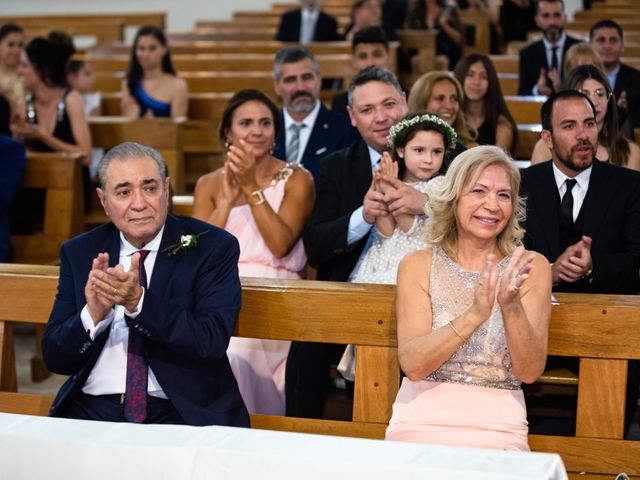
<point>418,144</point>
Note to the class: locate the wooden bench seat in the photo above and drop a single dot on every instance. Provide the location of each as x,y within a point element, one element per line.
<point>105,28</point>
<point>60,175</point>
<point>525,109</point>
<point>165,135</point>
<point>600,329</point>
<point>241,47</point>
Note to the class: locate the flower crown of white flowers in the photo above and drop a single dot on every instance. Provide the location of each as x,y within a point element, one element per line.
<point>450,133</point>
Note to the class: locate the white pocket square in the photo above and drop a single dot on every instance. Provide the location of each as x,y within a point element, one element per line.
<point>321,150</point>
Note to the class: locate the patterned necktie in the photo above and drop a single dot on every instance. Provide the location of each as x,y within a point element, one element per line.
<point>135,400</point>
<point>566,206</point>
<point>293,148</point>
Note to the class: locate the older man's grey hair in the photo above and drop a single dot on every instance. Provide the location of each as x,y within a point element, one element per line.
<point>373,74</point>
<point>130,151</point>
<point>293,55</point>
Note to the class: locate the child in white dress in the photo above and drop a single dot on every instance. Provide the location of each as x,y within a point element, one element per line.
<point>418,144</point>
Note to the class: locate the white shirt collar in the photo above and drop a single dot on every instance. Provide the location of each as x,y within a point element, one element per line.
<point>582,178</point>
<point>309,121</point>
<point>310,14</point>
<point>374,157</point>
<point>127,249</point>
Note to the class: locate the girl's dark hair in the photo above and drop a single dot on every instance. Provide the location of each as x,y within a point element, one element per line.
<point>240,98</point>
<point>610,135</point>
<point>8,29</point>
<point>494,104</point>
<point>407,134</point>
<point>135,73</point>
<point>74,66</point>
<point>49,61</point>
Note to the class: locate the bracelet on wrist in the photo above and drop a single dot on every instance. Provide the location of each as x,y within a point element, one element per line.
<point>259,196</point>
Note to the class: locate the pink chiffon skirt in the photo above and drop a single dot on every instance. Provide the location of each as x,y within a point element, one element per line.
<point>447,413</point>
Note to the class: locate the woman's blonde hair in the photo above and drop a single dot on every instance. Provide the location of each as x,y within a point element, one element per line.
<point>578,52</point>
<point>464,172</point>
<point>420,95</point>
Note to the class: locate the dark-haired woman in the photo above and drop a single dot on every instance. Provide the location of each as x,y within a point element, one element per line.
<point>265,203</point>
<point>52,119</point>
<point>484,107</point>
<point>11,43</point>
<point>152,88</point>
<point>612,146</point>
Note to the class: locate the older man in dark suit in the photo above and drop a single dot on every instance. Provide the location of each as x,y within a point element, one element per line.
<point>309,131</point>
<point>307,24</point>
<point>583,214</point>
<point>145,308</point>
<point>541,62</point>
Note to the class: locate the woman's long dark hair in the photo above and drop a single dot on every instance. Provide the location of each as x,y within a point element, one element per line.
<point>610,135</point>
<point>135,73</point>
<point>494,104</point>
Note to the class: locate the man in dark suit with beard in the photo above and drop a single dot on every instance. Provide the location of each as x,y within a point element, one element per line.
<point>145,308</point>
<point>309,131</point>
<point>541,62</point>
<point>583,214</point>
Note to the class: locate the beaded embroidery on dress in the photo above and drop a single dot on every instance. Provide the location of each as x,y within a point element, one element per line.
<point>484,360</point>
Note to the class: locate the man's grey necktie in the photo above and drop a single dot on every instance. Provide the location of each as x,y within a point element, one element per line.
<point>293,148</point>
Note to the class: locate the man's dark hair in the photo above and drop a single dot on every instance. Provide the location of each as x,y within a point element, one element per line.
<point>547,107</point>
<point>607,23</point>
<point>370,35</point>
<point>373,74</point>
<point>538,2</point>
<point>9,28</point>
<point>293,55</point>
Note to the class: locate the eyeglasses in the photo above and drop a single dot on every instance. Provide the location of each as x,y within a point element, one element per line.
<point>598,93</point>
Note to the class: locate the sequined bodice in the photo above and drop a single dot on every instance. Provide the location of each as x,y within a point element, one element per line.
<point>484,360</point>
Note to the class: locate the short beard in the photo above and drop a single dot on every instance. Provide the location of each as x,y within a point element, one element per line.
<point>302,107</point>
<point>570,164</point>
<point>551,37</point>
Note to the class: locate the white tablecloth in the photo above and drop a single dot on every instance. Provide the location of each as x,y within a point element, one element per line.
<point>50,448</point>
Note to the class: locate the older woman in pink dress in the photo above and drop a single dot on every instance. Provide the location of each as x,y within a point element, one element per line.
<point>265,203</point>
<point>473,313</point>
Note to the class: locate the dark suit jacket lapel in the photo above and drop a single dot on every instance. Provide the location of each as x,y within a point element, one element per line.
<point>597,200</point>
<point>114,248</point>
<point>165,263</point>
<point>280,151</point>
<point>297,25</point>
<point>547,200</point>
<point>361,166</point>
<point>316,140</point>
